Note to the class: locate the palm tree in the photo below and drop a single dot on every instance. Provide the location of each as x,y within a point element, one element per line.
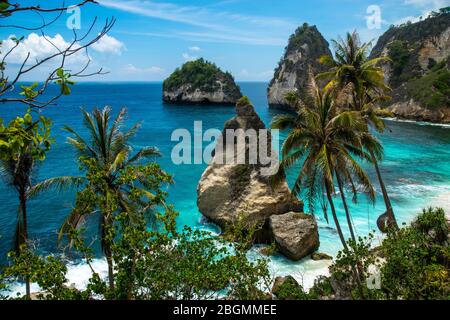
<point>351,65</point>
<point>17,173</point>
<point>327,140</point>
<point>109,153</point>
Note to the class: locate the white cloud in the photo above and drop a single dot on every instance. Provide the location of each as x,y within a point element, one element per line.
<point>194,49</point>
<point>426,7</point>
<point>131,69</point>
<point>244,74</point>
<point>428,4</point>
<point>39,47</point>
<point>187,57</point>
<point>108,44</point>
<point>213,25</point>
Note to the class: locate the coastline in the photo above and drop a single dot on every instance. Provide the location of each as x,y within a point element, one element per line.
<point>420,123</point>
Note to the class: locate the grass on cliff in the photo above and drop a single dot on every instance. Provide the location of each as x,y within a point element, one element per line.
<point>200,74</point>
<point>432,89</point>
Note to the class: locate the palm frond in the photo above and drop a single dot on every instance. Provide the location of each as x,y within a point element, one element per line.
<point>58,184</point>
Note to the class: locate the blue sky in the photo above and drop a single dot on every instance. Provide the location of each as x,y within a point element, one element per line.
<point>246,37</point>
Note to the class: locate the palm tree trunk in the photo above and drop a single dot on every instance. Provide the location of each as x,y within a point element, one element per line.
<point>333,213</point>
<point>347,212</point>
<point>23,236</point>
<point>387,201</point>
<point>341,236</point>
<point>110,270</point>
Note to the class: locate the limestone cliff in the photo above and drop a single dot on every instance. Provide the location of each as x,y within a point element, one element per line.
<point>419,72</point>
<point>231,193</point>
<point>200,82</point>
<point>304,49</point>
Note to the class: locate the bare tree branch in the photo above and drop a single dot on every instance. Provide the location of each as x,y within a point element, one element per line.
<point>38,8</point>
<point>77,45</point>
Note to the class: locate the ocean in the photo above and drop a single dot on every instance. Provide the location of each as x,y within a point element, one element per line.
<point>416,168</point>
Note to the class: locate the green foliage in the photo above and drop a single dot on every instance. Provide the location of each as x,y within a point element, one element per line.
<point>399,54</point>
<point>244,101</point>
<point>49,273</point>
<point>152,264</point>
<point>417,259</point>
<point>432,89</point>
<point>290,289</point>
<point>322,288</point>
<point>4,7</point>
<point>413,264</point>
<point>64,81</point>
<point>29,92</point>
<point>199,74</point>
<point>243,232</point>
<point>191,264</point>
<point>309,35</point>
<point>25,135</point>
<point>351,268</point>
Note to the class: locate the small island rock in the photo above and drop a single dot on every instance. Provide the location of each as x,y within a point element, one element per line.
<point>200,82</point>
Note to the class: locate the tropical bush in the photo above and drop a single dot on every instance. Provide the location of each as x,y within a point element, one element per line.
<point>413,263</point>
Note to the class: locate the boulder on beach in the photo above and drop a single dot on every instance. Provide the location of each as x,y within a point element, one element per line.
<point>295,234</point>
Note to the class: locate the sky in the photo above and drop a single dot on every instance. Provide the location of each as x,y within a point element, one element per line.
<point>153,37</point>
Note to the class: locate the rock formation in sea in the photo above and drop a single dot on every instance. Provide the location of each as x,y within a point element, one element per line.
<point>233,193</point>
<point>303,51</point>
<point>419,73</point>
<point>200,82</point>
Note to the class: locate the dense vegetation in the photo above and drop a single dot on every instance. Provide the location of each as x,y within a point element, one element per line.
<point>198,74</point>
<point>427,84</point>
<point>432,89</point>
<point>411,264</point>
<point>306,35</point>
<point>149,258</point>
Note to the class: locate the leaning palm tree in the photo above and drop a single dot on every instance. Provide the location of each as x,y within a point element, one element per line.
<point>105,157</point>
<point>352,65</point>
<point>326,140</point>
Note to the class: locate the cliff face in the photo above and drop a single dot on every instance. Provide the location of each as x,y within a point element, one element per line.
<point>419,72</point>
<point>200,82</point>
<point>304,49</point>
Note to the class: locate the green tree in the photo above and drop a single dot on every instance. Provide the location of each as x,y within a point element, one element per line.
<point>24,142</point>
<point>352,65</point>
<point>327,141</point>
<point>116,182</point>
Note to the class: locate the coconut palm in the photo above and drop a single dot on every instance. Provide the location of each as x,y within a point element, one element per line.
<point>17,173</point>
<point>352,65</point>
<point>326,140</point>
<point>105,157</point>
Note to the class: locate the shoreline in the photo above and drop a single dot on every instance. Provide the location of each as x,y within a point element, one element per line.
<point>420,123</point>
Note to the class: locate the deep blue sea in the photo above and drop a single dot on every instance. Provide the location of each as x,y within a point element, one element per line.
<point>416,167</point>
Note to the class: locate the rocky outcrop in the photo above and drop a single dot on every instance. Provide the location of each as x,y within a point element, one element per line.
<point>234,192</point>
<point>303,51</point>
<point>419,73</point>
<point>200,82</point>
<point>295,234</point>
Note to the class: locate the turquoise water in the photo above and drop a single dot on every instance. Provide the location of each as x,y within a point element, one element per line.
<point>416,168</point>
